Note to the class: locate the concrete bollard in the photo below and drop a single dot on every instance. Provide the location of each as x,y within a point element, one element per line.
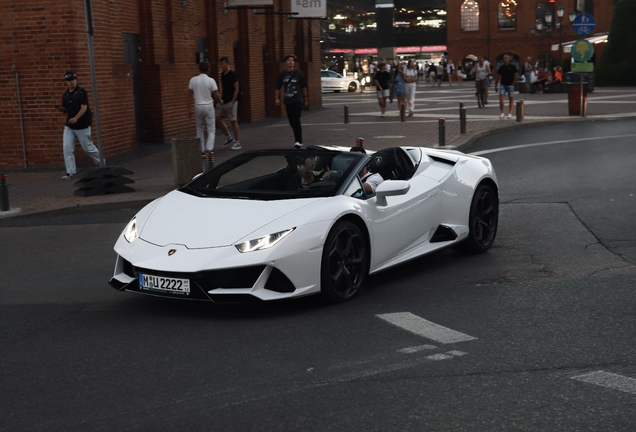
<point>4,193</point>
<point>442,132</point>
<point>519,111</point>
<point>186,159</point>
<point>346,114</point>
<point>403,112</point>
<point>462,120</point>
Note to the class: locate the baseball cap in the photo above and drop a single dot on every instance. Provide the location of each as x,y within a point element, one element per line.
<point>69,76</point>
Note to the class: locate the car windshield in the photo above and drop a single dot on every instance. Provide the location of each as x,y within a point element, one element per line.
<point>277,174</point>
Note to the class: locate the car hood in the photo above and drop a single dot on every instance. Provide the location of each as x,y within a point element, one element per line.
<point>197,223</point>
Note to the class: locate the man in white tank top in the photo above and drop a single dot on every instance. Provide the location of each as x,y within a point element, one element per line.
<point>206,93</point>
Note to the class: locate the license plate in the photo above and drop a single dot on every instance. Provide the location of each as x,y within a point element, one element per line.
<point>164,284</point>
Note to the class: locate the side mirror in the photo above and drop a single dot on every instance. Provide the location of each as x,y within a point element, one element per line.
<point>390,188</point>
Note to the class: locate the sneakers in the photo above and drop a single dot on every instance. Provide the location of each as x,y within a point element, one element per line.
<point>67,176</point>
<point>383,115</point>
<point>509,116</point>
<point>237,145</point>
<point>298,145</point>
<point>229,140</point>
<point>502,116</point>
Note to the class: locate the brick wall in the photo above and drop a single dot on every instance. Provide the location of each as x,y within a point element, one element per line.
<point>491,42</point>
<point>41,40</point>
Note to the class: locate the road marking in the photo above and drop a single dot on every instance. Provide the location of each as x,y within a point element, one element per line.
<point>422,327</point>
<point>439,357</point>
<point>609,380</point>
<point>414,349</point>
<point>390,137</point>
<point>483,152</point>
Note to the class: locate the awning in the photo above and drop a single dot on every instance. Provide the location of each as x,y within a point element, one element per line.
<point>596,39</point>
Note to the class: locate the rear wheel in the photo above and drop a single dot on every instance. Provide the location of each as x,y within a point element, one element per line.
<point>344,262</point>
<point>353,87</point>
<point>483,220</point>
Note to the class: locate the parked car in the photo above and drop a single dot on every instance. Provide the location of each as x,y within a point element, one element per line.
<point>249,229</point>
<point>333,81</point>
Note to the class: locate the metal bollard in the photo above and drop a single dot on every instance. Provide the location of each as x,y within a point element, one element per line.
<point>209,161</point>
<point>346,113</point>
<point>519,111</point>
<point>461,105</point>
<point>403,113</point>
<point>442,132</point>
<point>584,107</point>
<point>360,142</point>
<point>462,120</point>
<point>4,193</point>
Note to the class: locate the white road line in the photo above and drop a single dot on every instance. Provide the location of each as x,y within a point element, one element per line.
<point>439,357</point>
<point>483,152</point>
<point>456,353</point>
<point>609,380</point>
<point>414,349</point>
<point>422,327</point>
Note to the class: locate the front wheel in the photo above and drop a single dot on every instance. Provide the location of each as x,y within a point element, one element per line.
<point>344,262</point>
<point>483,220</point>
<point>353,87</point>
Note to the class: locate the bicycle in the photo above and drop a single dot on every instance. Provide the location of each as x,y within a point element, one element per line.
<point>481,101</point>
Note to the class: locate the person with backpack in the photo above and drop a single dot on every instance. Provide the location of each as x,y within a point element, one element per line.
<point>230,96</point>
<point>294,95</point>
<point>78,124</point>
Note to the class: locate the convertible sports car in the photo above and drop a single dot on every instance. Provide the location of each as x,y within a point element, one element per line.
<point>277,224</point>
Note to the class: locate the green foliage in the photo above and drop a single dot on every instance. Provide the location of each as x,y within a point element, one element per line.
<point>617,66</point>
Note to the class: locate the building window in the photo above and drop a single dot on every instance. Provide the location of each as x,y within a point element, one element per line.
<point>584,6</point>
<point>507,14</point>
<point>541,9</point>
<point>470,15</point>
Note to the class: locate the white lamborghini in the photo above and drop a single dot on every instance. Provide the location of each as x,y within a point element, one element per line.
<point>250,230</point>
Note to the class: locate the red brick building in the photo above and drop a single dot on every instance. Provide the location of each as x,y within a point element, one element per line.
<point>494,27</point>
<point>146,51</point>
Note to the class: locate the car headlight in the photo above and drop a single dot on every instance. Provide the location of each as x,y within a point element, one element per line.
<point>130,232</point>
<point>263,242</point>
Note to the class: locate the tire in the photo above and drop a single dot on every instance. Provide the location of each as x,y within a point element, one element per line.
<point>352,87</point>
<point>345,262</point>
<point>482,221</point>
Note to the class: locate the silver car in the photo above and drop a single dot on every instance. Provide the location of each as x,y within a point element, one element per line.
<point>333,81</point>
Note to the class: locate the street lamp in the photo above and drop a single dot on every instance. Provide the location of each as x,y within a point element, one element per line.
<point>548,28</point>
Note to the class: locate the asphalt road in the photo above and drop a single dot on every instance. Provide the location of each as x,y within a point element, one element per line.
<point>545,322</point>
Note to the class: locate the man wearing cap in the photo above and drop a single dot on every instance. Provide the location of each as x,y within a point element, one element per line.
<point>78,124</point>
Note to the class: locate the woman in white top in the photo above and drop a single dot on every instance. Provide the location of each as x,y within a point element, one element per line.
<point>460,73</point>
<point>410,77</point>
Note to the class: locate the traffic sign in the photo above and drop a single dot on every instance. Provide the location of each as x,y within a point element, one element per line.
<point>582,50</point>
<point>583,24</point>
<point>582,67</point>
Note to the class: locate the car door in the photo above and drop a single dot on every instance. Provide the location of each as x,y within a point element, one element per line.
<point>406,221</point>
<point>324,80</point>
<point>335,80</point>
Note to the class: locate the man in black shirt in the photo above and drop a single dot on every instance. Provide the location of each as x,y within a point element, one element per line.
<point>382,81</point>
<point>507,74</point>
<point>230,95</point>
<point>78,124</point>
<point>294,87</point>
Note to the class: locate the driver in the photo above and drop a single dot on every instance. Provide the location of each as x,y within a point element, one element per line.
<point>304,174</point>
<point>370,181</point>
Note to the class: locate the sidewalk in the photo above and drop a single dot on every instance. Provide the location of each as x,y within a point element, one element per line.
<point>35,191</point>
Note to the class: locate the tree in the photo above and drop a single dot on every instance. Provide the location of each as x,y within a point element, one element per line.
<point>617,66</point>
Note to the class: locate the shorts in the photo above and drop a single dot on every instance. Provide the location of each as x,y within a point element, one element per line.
<point>528,77</point>
<point>382,93</point>
<point>484,82</point>
<point>503,89</point>
<point>227,110</point>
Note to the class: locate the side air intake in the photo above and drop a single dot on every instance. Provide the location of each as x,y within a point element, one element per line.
<point>443,234</point>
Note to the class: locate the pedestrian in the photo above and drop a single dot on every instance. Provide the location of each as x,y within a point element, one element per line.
<point>230,95</point>
<point>400,90</point>
<point>460,73</point>
<point>481,70</point>
<point>507,74</point>
<point>450,70</point>
<point>529,73</point>
<point>410,78</point>
<point>78,125</point>
<point>294,86</point>
<point>382,81</point>
<point>439,73</point>
<point>432,70</point>
<point>206,96</point>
